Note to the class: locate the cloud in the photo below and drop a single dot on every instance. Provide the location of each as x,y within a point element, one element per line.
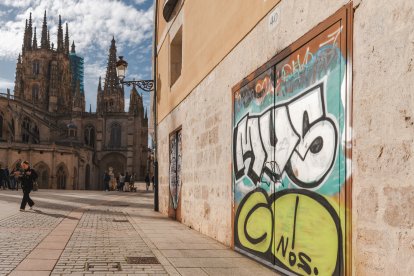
<point>126,104</point>
<point>90,23</point>
<point>139,2</point>
<point>5,83</point>
<point>16,3</point>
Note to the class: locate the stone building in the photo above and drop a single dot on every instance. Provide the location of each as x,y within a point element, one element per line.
<point>285,130</point>
<point>45,121</point>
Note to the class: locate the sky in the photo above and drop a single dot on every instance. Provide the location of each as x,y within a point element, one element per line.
<point>92,23</point>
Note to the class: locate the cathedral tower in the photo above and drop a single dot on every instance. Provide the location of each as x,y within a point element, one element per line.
<point>43,75</point>
<point>112,99</point>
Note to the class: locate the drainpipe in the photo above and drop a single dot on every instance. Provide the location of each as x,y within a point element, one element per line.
<point>155,53</point>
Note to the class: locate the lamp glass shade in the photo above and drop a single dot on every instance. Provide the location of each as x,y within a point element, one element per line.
<point>121,67</point>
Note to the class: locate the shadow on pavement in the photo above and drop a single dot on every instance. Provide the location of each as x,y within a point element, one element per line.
<point>55,215</point>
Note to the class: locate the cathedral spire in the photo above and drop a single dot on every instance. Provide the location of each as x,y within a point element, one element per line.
<point>111,79</point>
<point>24,38</point>
<point>29,35</point>
<point>73,47</point>
<point>99,85</point>
<point>67,39</point>
<point>60,36</point>
<point>113,93</point>
<point>34,40</point>
<point>44,41</point>
<point>48,40</point>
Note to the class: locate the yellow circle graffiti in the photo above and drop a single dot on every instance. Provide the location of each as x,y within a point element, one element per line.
<point>299,228</point>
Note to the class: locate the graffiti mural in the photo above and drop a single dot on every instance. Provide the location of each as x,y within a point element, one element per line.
<point>175,167</point>
<point>290,157</point>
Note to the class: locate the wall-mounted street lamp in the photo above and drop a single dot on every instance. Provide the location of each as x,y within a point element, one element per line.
<point>121,68</point>
<point>147,86</point>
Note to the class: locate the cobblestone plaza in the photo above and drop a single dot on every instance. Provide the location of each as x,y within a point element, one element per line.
<point>82,232</point>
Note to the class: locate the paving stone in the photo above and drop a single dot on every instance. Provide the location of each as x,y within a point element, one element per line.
<point>102,238</point>
<point>23,231</point>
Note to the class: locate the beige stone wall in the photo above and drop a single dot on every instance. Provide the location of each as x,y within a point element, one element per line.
<point>383,130</point>
<point>206,117</point>
<point>383,135</point>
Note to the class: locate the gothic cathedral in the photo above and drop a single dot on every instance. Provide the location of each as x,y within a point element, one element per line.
<point>45,121</point>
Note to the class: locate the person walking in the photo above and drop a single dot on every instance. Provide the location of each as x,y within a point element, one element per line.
<point>106,181</point>
<point>27,178</point>
<point>127,180</point>
<point>17,171</point>
<point>147,181</point>
<point>121,182</point>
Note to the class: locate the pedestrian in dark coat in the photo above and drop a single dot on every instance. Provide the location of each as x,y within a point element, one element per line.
<point>28,176</point>
<point>106,181</point>
<point>7,177</point>
<point>13,177</point>
<point>2,178</point>
<point>147,181</point>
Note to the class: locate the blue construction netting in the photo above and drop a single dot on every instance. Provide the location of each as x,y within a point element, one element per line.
<point>76,64</point>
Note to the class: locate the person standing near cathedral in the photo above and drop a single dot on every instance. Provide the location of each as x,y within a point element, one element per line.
<point>27,178</point>
<point>2,178</point>
<point>121,182</point>
<point>7,177</point>
<point>106,181</point>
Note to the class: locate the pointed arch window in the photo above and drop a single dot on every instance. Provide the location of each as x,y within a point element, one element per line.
<point>26,130</point>
<point>11,130</point>
<point>35,134</point>
<point>61,178</point>
<point>115,139</point>
<point>30,131</point>
<point>90,136</point>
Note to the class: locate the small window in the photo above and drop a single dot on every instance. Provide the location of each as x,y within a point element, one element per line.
<point>35,93</point>
<point>72,133</point>
<point>36,67</point>
<point>176,56</point>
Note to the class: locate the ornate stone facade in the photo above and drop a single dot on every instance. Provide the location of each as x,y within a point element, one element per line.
<point>45,121</point>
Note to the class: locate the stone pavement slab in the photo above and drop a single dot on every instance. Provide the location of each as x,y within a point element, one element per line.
<point>48,254</point>
<point>21,232</point>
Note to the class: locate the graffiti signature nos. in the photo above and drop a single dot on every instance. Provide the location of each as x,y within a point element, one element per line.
<point>299,230</point>
<point>298,135</point>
